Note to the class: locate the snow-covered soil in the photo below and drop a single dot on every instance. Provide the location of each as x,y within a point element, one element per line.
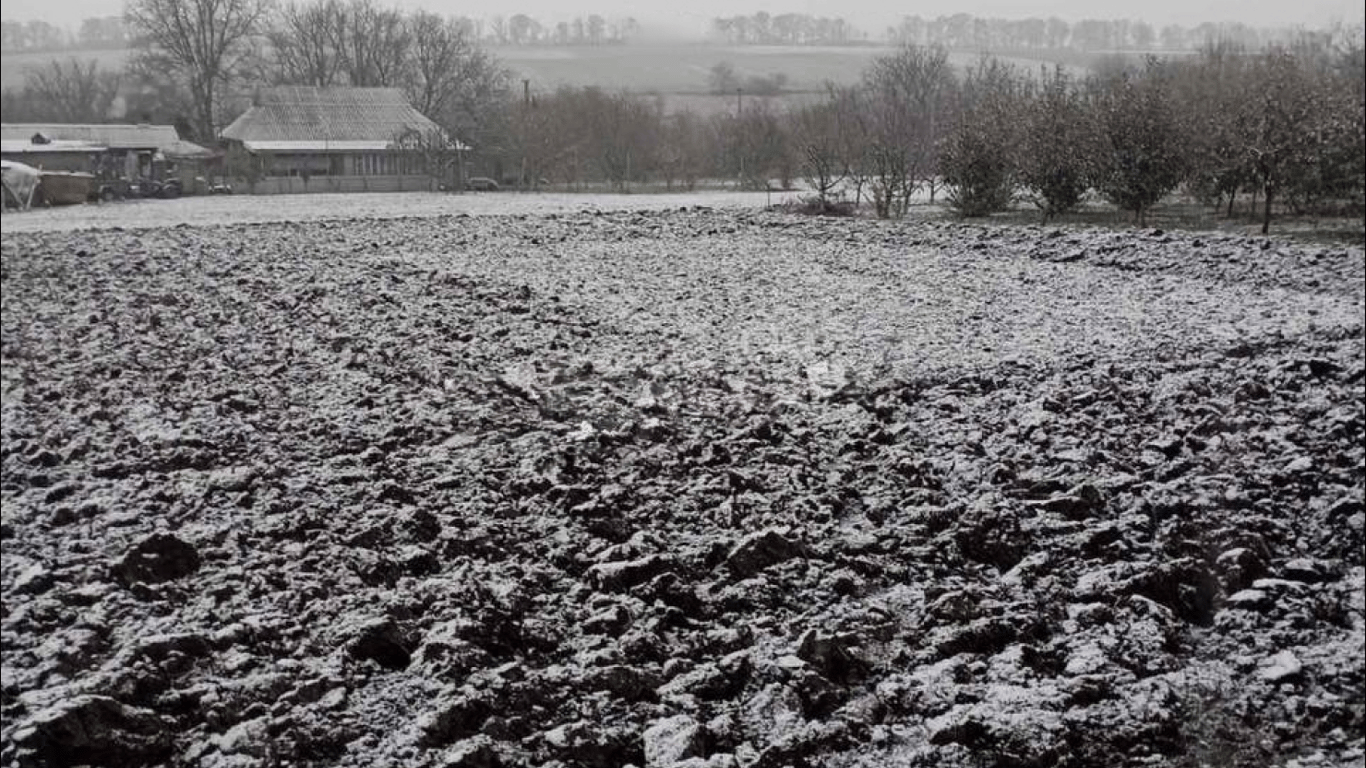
<point>676,487</point>
<point>244,209</point>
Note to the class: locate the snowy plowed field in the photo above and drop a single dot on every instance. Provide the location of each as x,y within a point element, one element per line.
<point>345,482</point>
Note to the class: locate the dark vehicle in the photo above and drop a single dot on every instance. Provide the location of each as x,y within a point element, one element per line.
<point>481,184</point>
<point>153,188</point>
<point>107,190</point>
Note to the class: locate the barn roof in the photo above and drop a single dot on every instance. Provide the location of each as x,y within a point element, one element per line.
<point>306,117</point>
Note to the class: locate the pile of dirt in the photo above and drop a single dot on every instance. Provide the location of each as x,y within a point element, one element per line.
<point>681,488</point>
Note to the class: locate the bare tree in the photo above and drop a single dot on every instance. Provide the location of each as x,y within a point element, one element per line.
<point>435,60</point>
<point>72,91</point>
<point>304,43</point>
<point>540,137</point>
<point>1212,92</point>
<point>622,129</point>
<point>103,32</point>
<point>1059,145</point>
<point>448,71</point>
<point>722,78</point>
<point>683,151</point>
<point>435,153</point>
<point>202,44</point>
<point>1302,121</point>
<point>1143,156</point>
<point>977,159</point>
<point>374,45</point>
<point>906,94</point>
<point>816,129</point>
<point>763,146</point>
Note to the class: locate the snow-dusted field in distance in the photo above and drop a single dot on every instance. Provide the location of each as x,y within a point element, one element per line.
<point>242,209</point>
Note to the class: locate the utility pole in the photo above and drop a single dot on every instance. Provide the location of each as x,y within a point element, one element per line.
<point>740,133</point>
<point>526,118</point>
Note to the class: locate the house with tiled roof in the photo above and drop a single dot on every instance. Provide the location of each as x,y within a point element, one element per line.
<point>309,139</point>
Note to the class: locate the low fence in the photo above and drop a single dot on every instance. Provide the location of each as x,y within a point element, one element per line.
<point>288,185</point>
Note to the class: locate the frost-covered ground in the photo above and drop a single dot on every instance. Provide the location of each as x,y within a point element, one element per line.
<point>246,209</point>
<point>676,487</point>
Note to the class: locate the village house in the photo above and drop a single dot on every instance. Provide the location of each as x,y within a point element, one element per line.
<point>110,151</point>
<point>308,139</point>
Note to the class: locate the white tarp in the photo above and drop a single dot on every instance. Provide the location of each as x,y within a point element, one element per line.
<point>19,182</point>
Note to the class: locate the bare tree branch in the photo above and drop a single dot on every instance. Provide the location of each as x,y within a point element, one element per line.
<point>72,91</point>
<point>201,43</point>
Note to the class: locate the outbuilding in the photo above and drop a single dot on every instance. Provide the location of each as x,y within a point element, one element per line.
<point>129,152</point>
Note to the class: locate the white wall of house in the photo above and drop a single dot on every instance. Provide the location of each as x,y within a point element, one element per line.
<point>284,185</point>
<point>340,164</point>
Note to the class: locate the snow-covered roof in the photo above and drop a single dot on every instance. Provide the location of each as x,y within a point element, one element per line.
<point>18,146</point>
<point>297,113</point>
<point>105,135</point>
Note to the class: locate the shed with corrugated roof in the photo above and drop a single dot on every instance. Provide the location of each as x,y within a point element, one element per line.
<point>109,150</point>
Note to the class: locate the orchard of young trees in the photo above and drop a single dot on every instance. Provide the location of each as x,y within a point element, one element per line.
<point>1280,129</point>
<point>1283,126</point>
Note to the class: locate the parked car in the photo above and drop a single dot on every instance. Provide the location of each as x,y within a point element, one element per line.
<point>481,184</point>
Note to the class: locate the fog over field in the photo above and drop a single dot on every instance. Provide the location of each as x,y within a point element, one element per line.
<point>870,15</point>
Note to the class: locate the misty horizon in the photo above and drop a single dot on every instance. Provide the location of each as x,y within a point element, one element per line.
<point>868,17</point>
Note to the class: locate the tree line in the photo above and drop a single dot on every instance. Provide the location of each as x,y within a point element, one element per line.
<point>519,29</point>
<point>523,30</point>
<point>95,33</point>
<point>961,31</point>
<point>763,28</point>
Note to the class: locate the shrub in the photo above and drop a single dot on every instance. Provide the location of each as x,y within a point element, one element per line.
<point>977,160</point>
<point>1056,164</point>
<point>1141,157</point>
<point>814,205</point>
<point>977,167</point>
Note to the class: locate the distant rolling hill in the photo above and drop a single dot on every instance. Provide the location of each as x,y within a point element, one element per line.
<point>678,71</point>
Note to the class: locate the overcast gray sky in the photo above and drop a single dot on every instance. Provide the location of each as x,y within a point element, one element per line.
<point>871,16</point>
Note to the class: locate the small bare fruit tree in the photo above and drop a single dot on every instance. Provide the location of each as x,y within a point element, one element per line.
<point>438,155</point>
